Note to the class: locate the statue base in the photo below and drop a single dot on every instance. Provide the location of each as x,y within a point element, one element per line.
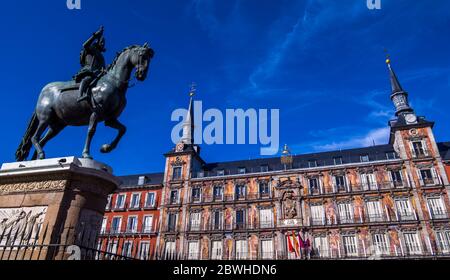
<point>50,202</point>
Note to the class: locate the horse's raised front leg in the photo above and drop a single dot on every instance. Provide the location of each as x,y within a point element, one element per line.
<point>36,139</point>
<point>107,148</point>
<point>91,132</point>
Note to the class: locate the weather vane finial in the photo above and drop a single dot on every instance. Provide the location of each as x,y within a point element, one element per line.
<point>193,89</point>
<point>388,57</point>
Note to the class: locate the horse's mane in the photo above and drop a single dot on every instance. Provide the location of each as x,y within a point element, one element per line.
<point>119,54</point>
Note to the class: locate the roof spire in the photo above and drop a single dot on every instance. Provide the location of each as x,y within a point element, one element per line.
<point>398,96</point>
<point>188,126</point>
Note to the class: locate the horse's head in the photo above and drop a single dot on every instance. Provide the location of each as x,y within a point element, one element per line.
<point>140,57</point>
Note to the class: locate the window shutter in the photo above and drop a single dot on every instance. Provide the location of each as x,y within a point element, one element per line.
<point>425,147</point>
<point>435,176</point>
<point>334,184</point>
<point>419,175</point>
<point>363,181</point>
<point>413,152</point>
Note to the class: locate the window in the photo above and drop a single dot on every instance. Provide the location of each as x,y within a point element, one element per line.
<point>172,222</point>
<point>141,180</point>
<point>404,209</point>
<point>170,250</point>
<point>369,182</point>
<point>443,240</point>
<point>242,170</point>
<point>217,220</point>
<point>127,248</point>
<point>176,173</point>
<point>365,158</point>
<point>374,211</point>
<point>340,184</point>
<point>174,197</point>
<point>266,218</point>
<point>418,148</point>
<point>147,224</point>
<point>104,223</point>
<point>380,244</point>
<point>241,249</point>
<point>120,202</point>
<point>132,224</point>
<point>267,249</point>
<point>314,186</point>
<point>317,215</point>
<point>217,249</point>
<point>135,201</point>
<point>264,189</point>
<point>413,243</point>
<point>350,245</point>
<point>193,250</point>
<point>221,172</point>
<point>240,219</point>
<point>391,155</point>
<point>346,213</point>
<point>312,163</point>
<point>218,193</point>
<point>321,246</point>
<point>112,247</point>
<point>200,174</point>
<point>108,204</point>
<point>144,250</point>
<point>150,200</point>
<point>396,178</point>
<point>195,221</point>
<point>240,191</point>
<point>116,224</point>
<point>437,208</point>
<point>427,177</point>
<point>196,194</point>
<point>264,168</point>
<point>338,161</point>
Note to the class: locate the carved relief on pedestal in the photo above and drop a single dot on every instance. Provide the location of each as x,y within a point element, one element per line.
<point>289,205</point>
<point>21,224</point>
<point>24,187</point>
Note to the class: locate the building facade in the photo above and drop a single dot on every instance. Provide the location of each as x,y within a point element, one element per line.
<point>387,201</point>
<point>131,222</point>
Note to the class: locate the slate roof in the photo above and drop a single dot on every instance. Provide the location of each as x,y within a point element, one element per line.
<point>444,149</point>
<point>131,181</point>
<point>375,153</point>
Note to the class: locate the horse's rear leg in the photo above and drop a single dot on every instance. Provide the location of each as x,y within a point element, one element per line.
<point>36,139</point>
<point>53,131</point>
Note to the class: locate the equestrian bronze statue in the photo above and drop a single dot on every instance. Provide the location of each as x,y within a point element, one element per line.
<point>59,104</point>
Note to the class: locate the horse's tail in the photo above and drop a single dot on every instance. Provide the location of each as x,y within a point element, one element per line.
<point>25,146</point>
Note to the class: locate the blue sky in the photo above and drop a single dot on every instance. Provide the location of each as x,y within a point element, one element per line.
<point>320,62</point>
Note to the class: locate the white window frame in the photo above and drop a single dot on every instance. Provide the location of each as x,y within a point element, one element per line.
<point>195,221</point>
<point>436,207</point>
<point>144,250</point>
<point>104,224</point>
<point>147,197</point>
<point>119,227</point>
<point>216,250</point>
<point>318,215</point>
<point>266,218</point>
<point>170,250</point>
<point>346,213</point>
<point>443,241</point>
<point>322,246</point>
<point>241,249</point>
<point>194,250</point>
<point>267,249</point>
<point>350,245</point>
<point>404,208</point>
<point>141,180</point>
<point>381,243</point>
<point>147,228</point>
<point>135,224</point>
<point>122,205</point>
<point>132,205</point>
<point>369,181</point>
<point>375,211</point>
<point>413,243</point>
<point>127,248</point>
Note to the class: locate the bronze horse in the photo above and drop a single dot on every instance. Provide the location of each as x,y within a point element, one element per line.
<point>57,106</point>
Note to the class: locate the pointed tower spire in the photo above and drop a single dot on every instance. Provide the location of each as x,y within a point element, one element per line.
<point>188,126</point>
<point>398,96</point>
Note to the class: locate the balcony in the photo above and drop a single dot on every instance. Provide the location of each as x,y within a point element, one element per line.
<point>431,182</point>
<point>439,215</point>
<point>406,216</point>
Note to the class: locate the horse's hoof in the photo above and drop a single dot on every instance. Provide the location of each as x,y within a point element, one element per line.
<point>106,149</point>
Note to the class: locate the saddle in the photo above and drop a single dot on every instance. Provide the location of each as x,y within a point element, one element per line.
<point>70,87</point>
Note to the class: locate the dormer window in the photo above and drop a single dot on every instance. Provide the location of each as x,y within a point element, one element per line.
<point>391,155</point>
<point>264,168</point>
<point>242,170</point>
<point>338,161</point>
<point>200,174</point>
<point>312,163</point>
<point>221,172</point>
<point>365,158</point>
<point>142,180</point>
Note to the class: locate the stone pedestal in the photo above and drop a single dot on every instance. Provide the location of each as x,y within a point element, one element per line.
<point>51,202</point>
